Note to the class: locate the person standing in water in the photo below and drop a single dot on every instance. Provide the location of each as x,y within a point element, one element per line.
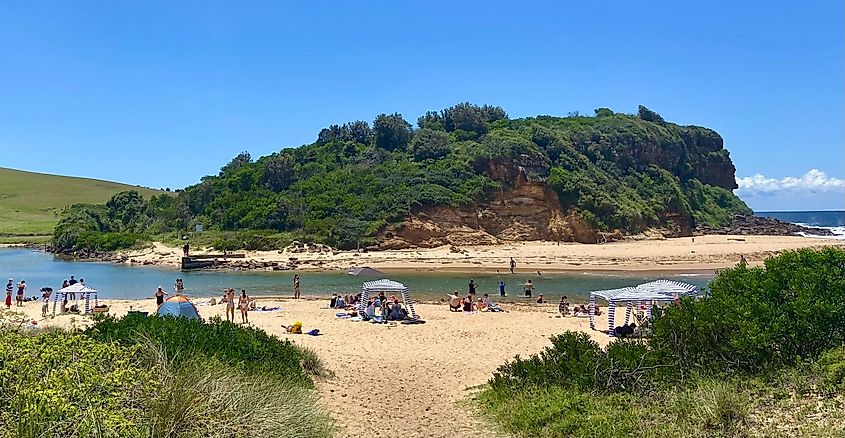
<point>180,286</point>
<point>160,293</point>
<point>296,290</point>
<point>513,265</point>
<point>501,288</point>
<point>471,287</point>
<point>528,288</point>
<point>230,304</point>
<point>243,305</point>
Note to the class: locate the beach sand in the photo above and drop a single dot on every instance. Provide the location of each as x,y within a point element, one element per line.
<point>664,255</point>
<point>416,374</point>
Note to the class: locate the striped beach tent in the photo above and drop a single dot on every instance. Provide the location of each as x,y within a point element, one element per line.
<point>84,291</point>
<point>654,291</point>
<point>388,287</point>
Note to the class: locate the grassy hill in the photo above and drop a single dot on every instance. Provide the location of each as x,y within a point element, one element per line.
<point>30,202</point>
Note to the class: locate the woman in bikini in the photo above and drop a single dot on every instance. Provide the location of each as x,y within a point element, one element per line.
<point>230,304</point>
<point>243,304</point>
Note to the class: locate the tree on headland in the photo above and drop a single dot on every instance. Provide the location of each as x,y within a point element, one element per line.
<point>241,159</point>
<point>649,115</point>
<point>391,132</point>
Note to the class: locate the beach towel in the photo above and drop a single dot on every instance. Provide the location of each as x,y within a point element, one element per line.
<point>313,332</point>
<point>267,309</point>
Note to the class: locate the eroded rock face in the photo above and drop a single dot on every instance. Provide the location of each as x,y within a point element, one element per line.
<point>524,210</point>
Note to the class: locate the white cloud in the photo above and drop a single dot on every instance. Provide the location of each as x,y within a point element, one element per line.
<point>814,181</point>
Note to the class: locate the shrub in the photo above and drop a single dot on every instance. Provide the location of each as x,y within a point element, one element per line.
<point>182,339</point>
<point>66,384</point>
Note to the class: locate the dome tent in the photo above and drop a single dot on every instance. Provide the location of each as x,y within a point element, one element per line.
<point>178,306</point>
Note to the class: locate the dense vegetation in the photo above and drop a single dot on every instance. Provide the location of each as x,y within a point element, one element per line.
<point>162,377</point>
<point>618,171</point>
<point>764,348</point>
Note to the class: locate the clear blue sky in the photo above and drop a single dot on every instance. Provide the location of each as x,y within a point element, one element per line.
<point>162,93</point>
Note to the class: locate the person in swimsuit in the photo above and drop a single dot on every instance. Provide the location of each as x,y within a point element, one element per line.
<point>296,286</point>
<point>243,304</point>
<point>513,265</point>
<point>45,301</point>
<point>160,293</point>
<point>230,304</point>
<point>180,286</point>
<point>528,288</point>
<point>21,290</point>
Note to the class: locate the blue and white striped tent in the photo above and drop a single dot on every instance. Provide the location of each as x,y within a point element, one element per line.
<point>655,291</point>
<point>388,287</point>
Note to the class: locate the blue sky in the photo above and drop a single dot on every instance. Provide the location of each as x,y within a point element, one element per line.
<point>162,93</point>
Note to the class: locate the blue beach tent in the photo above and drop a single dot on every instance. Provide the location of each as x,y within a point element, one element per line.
<point>178,306</point>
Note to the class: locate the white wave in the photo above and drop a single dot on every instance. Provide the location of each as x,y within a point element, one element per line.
<point>838,232</point>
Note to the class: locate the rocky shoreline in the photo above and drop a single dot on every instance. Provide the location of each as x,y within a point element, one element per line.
<point>748,225</point>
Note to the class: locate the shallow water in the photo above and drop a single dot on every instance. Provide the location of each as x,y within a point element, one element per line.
<point>41,269</point>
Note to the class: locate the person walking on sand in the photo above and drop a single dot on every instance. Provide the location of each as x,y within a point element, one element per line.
<point>243,304</point>
<point>160,293</point>
<point>229,296</point>
<point>296,286</point>
<point>21,291</point>
<point>513,265</point>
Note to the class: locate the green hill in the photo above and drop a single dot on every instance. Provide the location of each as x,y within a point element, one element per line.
<point>30,203</point>
<point>466,174</point>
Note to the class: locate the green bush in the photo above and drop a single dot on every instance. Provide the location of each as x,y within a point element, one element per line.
<point>67,384</point>
<point>183,339</point>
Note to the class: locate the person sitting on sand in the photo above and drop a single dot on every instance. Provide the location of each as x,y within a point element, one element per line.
<point>563,307</point>
<point>454,302</point>
<point>64,308</point>
<point>340,303</point>
<point>333,301</point>
<point>397,313</point>
<point>296,328</point>
<point>480,306</point>
<point>584,309</point>
<point>371,310</point>
<point>541,300</point>
<point>467,303</point>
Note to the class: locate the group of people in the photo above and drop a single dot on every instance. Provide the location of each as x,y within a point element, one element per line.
<point>243,303</point>
<point>576,310</point>
<point>19,297</point>
<point>470,304</point>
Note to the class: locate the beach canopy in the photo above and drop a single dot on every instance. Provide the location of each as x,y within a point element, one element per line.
<point>388,287</point>
<point>78,288</point>
<point>364,271</point>
<point>646,293</point>
<point>178,306</point>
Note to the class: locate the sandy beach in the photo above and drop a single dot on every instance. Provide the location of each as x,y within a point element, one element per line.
<point>663,255</point>
<point>418,374</point>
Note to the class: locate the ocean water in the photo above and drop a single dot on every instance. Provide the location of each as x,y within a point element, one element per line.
<point>41,269</point>
<point>832,220</point>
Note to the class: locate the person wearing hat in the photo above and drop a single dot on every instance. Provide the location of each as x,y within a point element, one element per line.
<point>9,289</point>
<point>541,300</point>
<point>160,293</point>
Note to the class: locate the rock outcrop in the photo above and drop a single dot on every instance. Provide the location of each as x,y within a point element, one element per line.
<point>746,225</point>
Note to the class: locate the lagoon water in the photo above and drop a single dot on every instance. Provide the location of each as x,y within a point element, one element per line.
<point>41,269</point>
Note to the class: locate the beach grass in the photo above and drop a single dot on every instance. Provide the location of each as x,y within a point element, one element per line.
<point>31,203</point>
